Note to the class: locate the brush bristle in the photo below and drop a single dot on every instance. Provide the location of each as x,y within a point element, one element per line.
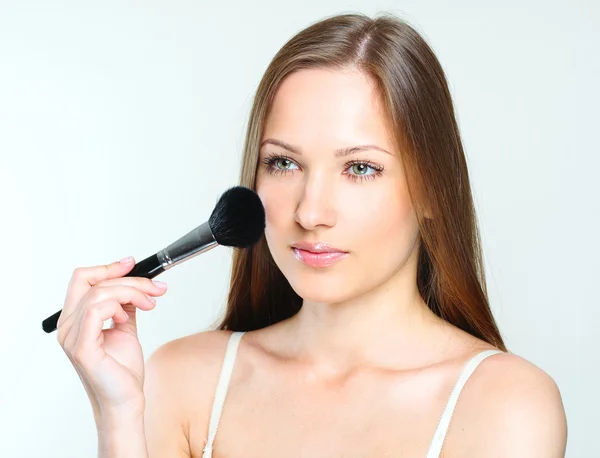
<point>238,219</point>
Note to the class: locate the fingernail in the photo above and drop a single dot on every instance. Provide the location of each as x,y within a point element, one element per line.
<point>160,284</point>
<point>126,260</point>
<point>151,299</point>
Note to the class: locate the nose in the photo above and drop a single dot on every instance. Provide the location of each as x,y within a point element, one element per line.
<point>316,203</point>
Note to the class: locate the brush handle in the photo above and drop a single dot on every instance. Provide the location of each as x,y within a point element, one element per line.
<point>146,268</point>
<point>193,243</point>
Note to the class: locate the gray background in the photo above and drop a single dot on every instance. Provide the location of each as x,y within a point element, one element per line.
<point>121,123</point>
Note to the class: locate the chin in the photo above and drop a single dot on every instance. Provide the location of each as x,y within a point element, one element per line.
<point>330,284</point>
<point>320,296</point>
<point>321,287</point>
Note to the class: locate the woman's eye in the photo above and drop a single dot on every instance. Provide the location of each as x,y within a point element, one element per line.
<point>278,164</point>
<point>285,163</point>
<point>355,170</point>
<point>361,169</point>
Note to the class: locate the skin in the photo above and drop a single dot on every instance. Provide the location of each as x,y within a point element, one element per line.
<point>365,368</point>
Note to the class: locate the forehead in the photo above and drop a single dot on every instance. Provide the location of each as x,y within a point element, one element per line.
<point>328,105</point>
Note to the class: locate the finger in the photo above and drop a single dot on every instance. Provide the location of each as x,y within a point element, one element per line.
<point>110,306</point>
<point>84,278</point>
<point>151,287</point>
<point>127,298</point>
<point>70,333</point>
<point>127,321</point>
<point>86,336</point>
<point>121,293</point>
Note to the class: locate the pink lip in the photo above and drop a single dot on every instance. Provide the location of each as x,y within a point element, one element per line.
<point>318,259</point>
<point>318,247</point>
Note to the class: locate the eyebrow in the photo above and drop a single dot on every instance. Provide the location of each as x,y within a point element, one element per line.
<point>338,153</point>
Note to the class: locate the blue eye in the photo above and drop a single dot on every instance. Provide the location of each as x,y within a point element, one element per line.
<point>277,164</point>
<point>282,160</point>
<point>364,166</point>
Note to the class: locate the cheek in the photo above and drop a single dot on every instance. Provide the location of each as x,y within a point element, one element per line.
<point>277,203</point>
<point>382,218</point>
<point>397,222</point>
<point>383,230</point>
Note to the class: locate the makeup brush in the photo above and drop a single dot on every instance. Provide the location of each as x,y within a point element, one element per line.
<point>238,220</point>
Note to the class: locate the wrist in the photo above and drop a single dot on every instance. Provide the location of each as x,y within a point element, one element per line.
<point>122,436</point>
<point>119,416</point>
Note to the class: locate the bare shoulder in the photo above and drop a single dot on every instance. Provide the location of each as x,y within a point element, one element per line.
<point>512,408</point>
<point>180,378</point>
<point>189,365</point>
<point>193,351</point>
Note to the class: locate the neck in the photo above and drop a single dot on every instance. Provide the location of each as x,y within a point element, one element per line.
<point>388,326</point>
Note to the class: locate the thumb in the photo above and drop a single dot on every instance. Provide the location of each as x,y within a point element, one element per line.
<point>126,319</point>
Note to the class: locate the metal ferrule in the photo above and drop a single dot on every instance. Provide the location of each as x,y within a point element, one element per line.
<point>191,244</point>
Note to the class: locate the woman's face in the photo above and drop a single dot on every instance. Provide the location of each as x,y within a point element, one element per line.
<point>356,202</point>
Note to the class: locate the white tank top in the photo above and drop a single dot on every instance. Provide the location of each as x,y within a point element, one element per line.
<point>435,447</point>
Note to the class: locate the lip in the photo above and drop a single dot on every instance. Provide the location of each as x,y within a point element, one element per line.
<point>318,254</point>
<point>318,247</point>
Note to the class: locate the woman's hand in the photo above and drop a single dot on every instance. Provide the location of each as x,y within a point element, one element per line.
<point>109,362</point>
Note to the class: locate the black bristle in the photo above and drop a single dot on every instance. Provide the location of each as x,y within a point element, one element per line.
<point>238,219</point>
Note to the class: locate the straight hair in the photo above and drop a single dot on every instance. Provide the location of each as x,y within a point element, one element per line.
<point>416,98</point>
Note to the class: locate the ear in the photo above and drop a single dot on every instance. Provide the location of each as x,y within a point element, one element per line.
<point>426,212</point>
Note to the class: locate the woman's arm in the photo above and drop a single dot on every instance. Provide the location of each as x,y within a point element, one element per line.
<point>521,413</point>
<point>532,420</point>
<point>181,379</point>
<point>123,436</point>
<point>165,414</point>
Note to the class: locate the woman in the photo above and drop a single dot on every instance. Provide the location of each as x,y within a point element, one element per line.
<point>361,351</point>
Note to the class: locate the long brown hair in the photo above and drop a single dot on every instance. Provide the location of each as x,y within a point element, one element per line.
<point>415,96</point>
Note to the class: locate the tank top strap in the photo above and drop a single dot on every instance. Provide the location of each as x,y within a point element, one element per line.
<point>435,448</point>
<point>221,391</point>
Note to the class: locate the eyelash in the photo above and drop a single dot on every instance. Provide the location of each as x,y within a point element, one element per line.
<point>273,158</point>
